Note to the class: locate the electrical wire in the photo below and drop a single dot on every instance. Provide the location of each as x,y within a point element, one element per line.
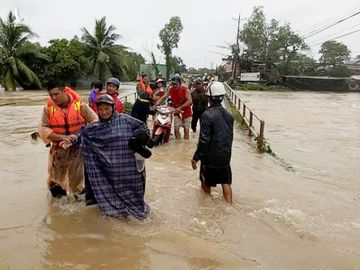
<point>315,32</point>
<point>328,21</point>
<point>330,36</point>
<point>344,35</point>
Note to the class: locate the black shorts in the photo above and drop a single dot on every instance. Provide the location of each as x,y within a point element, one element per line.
<point>211,177</point>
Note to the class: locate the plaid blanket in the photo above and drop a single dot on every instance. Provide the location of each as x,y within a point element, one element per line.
<point>117,184</point>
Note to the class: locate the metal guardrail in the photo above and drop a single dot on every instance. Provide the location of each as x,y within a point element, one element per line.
<point>125,98</point>
<point>248,115</point>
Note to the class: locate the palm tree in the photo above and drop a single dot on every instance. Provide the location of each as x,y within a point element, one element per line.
<point>13,36</point>
<point>101,47</point>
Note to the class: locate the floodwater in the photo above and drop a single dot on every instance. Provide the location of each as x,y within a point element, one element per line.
<point>306,217</point>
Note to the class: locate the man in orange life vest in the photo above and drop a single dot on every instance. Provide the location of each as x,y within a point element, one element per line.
<point>62,117</point>
<point>181,99</point>
<point>143,85</point>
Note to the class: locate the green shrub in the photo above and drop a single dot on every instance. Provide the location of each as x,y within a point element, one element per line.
<point>261,87</point>
<point>128,107</point>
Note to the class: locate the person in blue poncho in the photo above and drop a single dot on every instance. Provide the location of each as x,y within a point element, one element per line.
<point>114,151</point>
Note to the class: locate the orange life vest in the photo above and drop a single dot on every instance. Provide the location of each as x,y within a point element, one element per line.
<point>69,122</point>
<point>146,89</point>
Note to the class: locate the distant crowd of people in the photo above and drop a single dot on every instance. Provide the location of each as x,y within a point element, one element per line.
<point>100,145</point>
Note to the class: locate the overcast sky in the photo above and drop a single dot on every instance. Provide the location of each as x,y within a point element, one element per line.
<point>207,24</point>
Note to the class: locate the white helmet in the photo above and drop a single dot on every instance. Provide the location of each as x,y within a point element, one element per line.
<point>215,89</point>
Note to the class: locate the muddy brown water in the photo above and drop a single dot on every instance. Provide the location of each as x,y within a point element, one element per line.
<point>305,218</point>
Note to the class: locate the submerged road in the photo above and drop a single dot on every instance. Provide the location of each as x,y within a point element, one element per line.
<point>302,219</point>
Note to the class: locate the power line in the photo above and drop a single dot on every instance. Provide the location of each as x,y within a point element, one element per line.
<point>338,37</point>
<point>339,32</point>
<point>315,32</point>
<point>328,20</point>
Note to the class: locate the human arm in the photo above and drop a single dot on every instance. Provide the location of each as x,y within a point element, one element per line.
<point>89,115</point>
<point>193,164</point>
<point>161,99</point>
<point>188,101</point>
<point>46,133</point>
<point>140,139</point>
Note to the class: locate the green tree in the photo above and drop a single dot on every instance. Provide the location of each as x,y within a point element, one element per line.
<point>177,65</point>
<point>333,57</point>
<point>334,53</point>
<point>285,46</point>
<point>13,36</point>
<point>100,47</point>
<point>339,71</point>
<point>37,60</point>
<point>278,46</point>
<point>357,59</point>
<point>255,37</point>
<point>170,37</point>
<point>67,61</point>
<point>125,64</point>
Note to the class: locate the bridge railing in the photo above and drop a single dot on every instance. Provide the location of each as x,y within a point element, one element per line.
<point>255,124</point>
<point>126,97</point>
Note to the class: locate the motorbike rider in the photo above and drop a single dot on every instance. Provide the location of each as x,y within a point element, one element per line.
<point>159,90</point>
<point>181,99</point>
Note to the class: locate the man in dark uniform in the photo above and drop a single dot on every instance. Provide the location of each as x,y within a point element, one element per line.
<point>215,142</point>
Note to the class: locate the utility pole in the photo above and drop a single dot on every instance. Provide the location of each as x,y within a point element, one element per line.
<point>236,52</point>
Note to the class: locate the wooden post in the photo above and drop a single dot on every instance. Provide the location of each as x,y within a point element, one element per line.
<point>250,122</point>
<point>260,141</point>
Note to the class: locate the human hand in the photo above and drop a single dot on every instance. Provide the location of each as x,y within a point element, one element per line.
<point>65,144</point>
<point>193,164</point>
<point>178,110</point>
<point>71,137</point>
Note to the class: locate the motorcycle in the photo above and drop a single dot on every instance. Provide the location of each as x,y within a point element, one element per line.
<point>162,124</point>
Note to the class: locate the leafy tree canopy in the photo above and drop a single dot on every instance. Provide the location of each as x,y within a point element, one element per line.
<point>334,53</point>
<point>170,37</point>
<point>13,37</point>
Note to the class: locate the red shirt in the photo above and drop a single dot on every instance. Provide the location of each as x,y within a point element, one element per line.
<point>178,97</point>
<point>118,104</point>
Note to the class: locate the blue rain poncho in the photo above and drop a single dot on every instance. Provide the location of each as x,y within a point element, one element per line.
<point>117,181</point>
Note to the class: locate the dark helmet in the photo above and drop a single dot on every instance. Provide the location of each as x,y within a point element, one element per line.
<point>114,81</point>
<point>176,79</point>
<point>105,98</point>
<point>144,95</point>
